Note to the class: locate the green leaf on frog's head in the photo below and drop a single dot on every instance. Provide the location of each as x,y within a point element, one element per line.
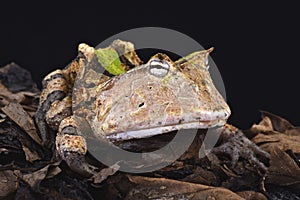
<point>110,60</point>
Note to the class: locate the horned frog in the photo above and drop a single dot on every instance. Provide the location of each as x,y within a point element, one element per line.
<point>129,100</point>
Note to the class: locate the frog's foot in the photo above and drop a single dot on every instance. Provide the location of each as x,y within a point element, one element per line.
<point>237,145</point>
<point>72,148</point>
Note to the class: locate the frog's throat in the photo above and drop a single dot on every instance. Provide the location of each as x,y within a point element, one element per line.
<point>144,133</point>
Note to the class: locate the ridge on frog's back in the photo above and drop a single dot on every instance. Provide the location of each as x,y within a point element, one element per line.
<point>157,97</point>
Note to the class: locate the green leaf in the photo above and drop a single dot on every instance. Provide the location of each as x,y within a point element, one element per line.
<point>110,60</point>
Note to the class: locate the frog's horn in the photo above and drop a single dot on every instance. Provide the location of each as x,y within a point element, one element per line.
<point>210,50</point>
<point>87,51</point>
<point>199,58</point>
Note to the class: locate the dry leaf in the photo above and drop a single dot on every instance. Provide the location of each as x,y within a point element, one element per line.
<point>7,96</point>
<point>283,170</point>
<point>274,131</point>
<point>104,173</point>
<point>284,142</point>
<point>264,125</point>
<point>16,78</point>
<point>280,124</point>
<point>252,195</point>
<point>8,182</point>
<point>35,178</point>
<point>53,171</point>
<point>30,155</point>
<point>17,114</point>
<point>201,176</point>
<point>161,188</point>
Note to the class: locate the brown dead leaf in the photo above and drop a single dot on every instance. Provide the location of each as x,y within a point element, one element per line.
<point>201,176</point>
<point>30,155</point>
<point>283,170</point>
<point>272,123</point>
<point>8,182</point>
<point>16,78</point>
<point>16,113</point>
<point>252,195</point>
<point>104,173</point>
<point>22,97</point>
<point>275,131</point>
<point>161,188</point>
<point>284,142</point>
<point>35,178</point>
<point>265,125</point>
<point>53,171</point>
<point>280,124</point>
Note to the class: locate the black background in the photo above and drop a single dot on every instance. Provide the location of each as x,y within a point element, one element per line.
<point>256,45</point>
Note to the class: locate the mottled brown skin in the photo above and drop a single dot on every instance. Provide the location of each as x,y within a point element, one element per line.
<point>158,97</point>
<point>62,102</point>
<point>236,145</point>
<point>55,111</point>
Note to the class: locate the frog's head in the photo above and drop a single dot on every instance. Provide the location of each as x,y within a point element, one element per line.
<point>160,96</point>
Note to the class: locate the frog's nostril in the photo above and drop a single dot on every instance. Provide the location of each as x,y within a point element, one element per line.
<point>141,104</point>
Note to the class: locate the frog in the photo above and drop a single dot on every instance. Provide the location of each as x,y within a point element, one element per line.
<point>121,98</point>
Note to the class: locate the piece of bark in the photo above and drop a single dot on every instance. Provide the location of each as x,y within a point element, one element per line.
<point>161,188</point>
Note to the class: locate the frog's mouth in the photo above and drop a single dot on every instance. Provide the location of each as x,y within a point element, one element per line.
<point>148,132</point>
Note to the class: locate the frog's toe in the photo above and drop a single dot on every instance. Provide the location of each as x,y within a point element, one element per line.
<point>72,149</point>
<point>236,145</point>
<point>78,164</point>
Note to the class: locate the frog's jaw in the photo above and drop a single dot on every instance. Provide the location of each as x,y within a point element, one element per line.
<point>144,133</point>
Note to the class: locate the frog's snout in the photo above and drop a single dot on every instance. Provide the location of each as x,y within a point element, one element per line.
<point>213,115</point>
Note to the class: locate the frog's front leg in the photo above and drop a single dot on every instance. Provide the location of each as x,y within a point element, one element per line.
<point>55,89</point>
<point>235,144</point>
<point>54,115</point>
<point>72,148</point>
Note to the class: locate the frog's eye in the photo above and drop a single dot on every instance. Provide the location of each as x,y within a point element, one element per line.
<point>159,69</point>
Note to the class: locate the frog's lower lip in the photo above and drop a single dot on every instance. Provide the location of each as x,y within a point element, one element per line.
<point>144,133</point>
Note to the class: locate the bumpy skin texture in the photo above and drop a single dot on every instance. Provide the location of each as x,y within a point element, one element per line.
<point>56,106</point>
<point>55,111</point>
<point>150,99</point>
<point>236,145</point>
